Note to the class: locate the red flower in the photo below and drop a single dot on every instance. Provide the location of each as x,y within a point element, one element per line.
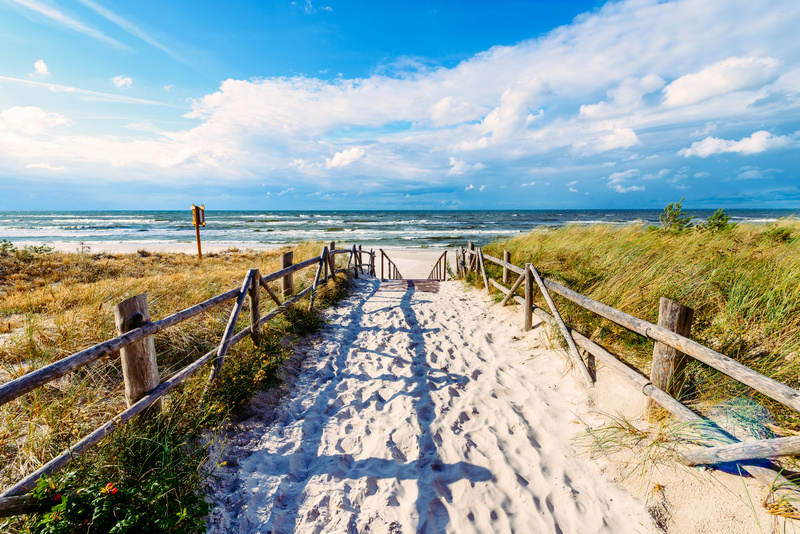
<point>110,489</point>
<point>57,497</point>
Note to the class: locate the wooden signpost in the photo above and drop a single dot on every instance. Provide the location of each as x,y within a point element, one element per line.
<point>198,219</point>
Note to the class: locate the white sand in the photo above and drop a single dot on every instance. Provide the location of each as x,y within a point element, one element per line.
<point>418,412</point>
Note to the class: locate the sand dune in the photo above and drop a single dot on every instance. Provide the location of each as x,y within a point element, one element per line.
<point>415,411</point>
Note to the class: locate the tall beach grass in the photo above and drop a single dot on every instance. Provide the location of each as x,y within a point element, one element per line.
<point>55,304</point>
<point>743,283</point>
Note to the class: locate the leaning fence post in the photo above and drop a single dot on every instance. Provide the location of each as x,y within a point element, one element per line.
<point>287,282</point>
<point>255,311</point>
<point>507,259</point>
<point>528,325</point>
<point>139,365</point>
<point>668,371</point>
<point>471,249</point>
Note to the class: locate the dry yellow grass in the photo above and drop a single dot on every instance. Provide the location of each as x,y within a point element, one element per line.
<point>56,304</point>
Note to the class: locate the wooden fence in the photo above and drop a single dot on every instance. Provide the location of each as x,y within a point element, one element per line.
<point>671,348</point>
<point>140,371</point>
<point>439,270</point>
<point>391,271</point>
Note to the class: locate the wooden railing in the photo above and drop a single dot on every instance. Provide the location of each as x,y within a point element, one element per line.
<point>661,388</point>
<point>391,271</point>
<point>136,332</point>
<point>439,271</point>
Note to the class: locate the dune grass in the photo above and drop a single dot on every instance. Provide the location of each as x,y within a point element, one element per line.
<point>55,304</point>
<point>743,283</point>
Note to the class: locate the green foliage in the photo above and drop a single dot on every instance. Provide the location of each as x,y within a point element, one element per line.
<point>742,286</point>
<point>156,464</point>
<point>777,234</point>
<point>718,222</point>
<point>674,219</point>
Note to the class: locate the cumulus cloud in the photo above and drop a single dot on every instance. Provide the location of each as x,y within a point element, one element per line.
<point>621,181</point>
<point>760,141</point>
<point>626,97</point>
<point>619,138</point>
<point>30,120</point>
<point>41,68</point>
<point>344,158</point>
<point>122,81</point>
<point>732,74</point>
<point>470,186</point>
<point>600,85</point>
<point>459,167</point>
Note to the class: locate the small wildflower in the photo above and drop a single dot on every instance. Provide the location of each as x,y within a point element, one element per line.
<point>110,489</point>
<point>57,497</point>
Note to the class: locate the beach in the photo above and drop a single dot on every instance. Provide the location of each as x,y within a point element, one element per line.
<point>424,407</point>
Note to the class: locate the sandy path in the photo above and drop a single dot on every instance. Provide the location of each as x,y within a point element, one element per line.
<point>415,412</point>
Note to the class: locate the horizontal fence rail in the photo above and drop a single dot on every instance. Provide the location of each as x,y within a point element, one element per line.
<point>720,445</point>
<point>14,500</point>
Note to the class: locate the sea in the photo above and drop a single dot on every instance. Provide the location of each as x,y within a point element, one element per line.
<point>407,229</point>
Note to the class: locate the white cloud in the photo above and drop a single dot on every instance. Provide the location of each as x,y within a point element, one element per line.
<point>619,138</point>
<point>481,188</point>
<point>732,74</point>
<point>46,166</point>
<point>621,181</point>
<point>702,174</point>
<point>459,167</point>
<point>41,68</point>
<point>590,87</point>
<point>572,183</point>
<point>127,26</point>
<point>168,88</point>
<point>657,176</point>
<point>760,141</point>
<point>30,120</point>
<point>90,95</point>
<point>529,184</point>
<point>756,173</point>
<point>470,186</point>
<point>344,158</point>
<point>286,191</point>
<point>122,81</point>
<point>68,22</point>
<point>627,97</point>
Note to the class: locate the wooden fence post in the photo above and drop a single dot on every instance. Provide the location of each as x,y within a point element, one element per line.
<point>287,283</point>
<point>507,259</point>
<point>360,260</point>
<point>471,248</point>
<point>139,365</point>
<point>668,371</point>
<point>255,311</point>
<point>528,325</point>
<point>381,265</point>
<point>354,255</point>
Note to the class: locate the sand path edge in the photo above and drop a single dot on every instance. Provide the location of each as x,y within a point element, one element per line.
<point>416,410</point>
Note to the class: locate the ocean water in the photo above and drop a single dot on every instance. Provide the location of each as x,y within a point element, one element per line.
<point>416,229</point>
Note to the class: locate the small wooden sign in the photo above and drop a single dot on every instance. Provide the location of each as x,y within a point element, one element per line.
<point>198,220</point>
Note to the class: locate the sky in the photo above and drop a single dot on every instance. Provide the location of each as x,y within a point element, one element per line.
<point>267,105</point>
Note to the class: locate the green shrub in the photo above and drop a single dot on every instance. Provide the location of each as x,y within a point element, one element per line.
<point>674,219</point>
<point>718,222</point>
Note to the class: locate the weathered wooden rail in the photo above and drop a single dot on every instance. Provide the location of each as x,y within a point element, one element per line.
<point>391,271</point>
<point>138,352</point>
<point>664,385</point>
<point>439,270</point>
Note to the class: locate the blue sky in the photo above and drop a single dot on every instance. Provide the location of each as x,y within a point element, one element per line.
<point>424,105</point>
